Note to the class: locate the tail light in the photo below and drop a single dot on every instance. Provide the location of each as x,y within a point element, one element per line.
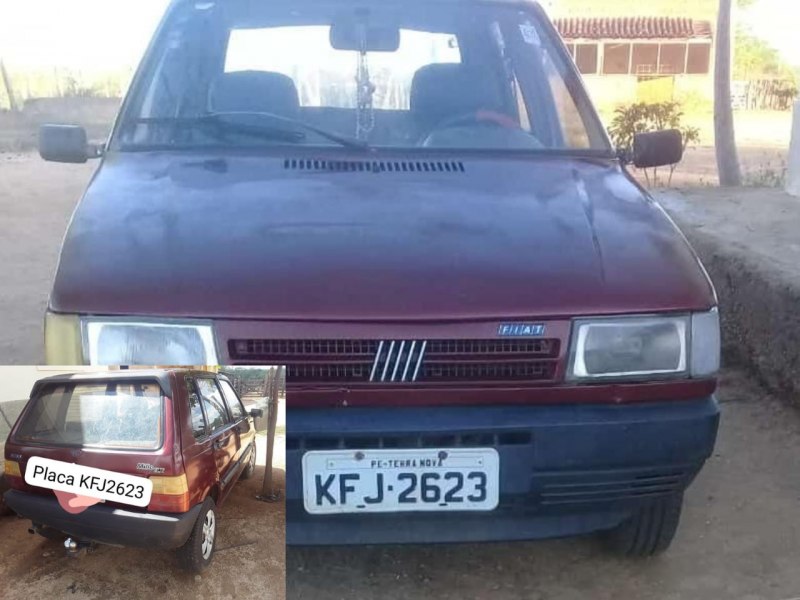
<point>12,473</point>
<point>170,494</point>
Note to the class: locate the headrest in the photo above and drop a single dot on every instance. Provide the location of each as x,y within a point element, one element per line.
<point>254,91</point>
<point>445,90</point>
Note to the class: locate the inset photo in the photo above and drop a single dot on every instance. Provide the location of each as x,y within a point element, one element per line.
<point>119,482</point>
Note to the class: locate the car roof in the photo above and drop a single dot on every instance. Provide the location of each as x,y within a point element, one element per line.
<point>161,376</point>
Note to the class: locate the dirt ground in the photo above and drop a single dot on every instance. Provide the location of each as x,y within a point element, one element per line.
<point>739,537</point>
<point>762,166</point>
<point>249,561</point>
<point>36,201</point>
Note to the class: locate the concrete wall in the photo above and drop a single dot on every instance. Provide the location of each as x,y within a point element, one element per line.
<point>18,381</point>
<point>609,91</point>
<point>9,411</point>
<point>793,178</point>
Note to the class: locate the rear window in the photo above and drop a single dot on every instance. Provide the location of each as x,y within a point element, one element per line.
<point>101,415</point>
<point>329,80</point>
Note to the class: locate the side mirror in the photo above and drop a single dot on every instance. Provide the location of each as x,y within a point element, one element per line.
<point>65,143</point>
<point>256,413</point>
<point>657,149</point>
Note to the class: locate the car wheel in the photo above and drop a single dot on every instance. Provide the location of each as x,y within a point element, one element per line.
<point>196,554</point>
<point>251,464</point>
<point>649,531</point>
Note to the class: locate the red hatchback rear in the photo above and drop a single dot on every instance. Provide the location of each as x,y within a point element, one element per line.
<point>185,431</point>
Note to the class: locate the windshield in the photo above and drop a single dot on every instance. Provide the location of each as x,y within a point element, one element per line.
<point>106,415</point>
<point>433,75</point>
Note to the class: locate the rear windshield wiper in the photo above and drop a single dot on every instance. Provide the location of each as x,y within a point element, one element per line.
<point>243,123</point>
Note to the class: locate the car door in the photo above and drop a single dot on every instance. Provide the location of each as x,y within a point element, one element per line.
<point>223,433</point>
<point>240,418</point>
<point>199,458</point>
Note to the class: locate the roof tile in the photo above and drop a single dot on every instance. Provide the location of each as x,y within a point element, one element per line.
<point>633,28</point>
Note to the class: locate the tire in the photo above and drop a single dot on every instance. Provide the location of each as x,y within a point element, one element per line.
<point>251,465</point>
<point>650,531</point>
<point>196,554</point>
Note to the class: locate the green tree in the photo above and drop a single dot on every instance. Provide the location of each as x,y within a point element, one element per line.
<point>755,58</point>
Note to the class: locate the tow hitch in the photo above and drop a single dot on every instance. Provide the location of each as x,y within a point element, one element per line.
<point>75,548</point>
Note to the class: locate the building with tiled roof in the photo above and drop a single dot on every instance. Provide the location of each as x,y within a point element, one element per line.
<point>629,50</point>
<point>633,28</point>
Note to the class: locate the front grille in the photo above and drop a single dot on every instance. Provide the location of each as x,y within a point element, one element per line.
<point>410,441</point>
<point>404,361</point>
<point>533,370</point>
<point>597,486</point>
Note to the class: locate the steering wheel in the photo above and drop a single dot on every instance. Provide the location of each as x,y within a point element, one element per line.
<point>478,117</point>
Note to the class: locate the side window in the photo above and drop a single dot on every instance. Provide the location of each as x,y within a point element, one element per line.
<point>213,403</point>
<point>196,408</point>
<point>232,400</point>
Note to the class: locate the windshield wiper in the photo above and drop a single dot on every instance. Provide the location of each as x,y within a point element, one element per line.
<point>242,122</point>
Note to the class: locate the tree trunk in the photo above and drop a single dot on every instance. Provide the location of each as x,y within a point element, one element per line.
<point>727,157</point>
<point>268,492</point>
<point>12,101</point>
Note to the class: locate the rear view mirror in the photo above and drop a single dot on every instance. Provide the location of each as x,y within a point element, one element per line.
<point>65,143</point>
<point>256,413</point>
<point>657,149</point>
<point>356,35</point>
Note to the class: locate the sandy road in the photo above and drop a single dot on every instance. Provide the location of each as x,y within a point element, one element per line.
<point>36,201</point>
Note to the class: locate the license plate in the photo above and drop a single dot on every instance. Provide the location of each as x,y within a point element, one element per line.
<point>374,481</point>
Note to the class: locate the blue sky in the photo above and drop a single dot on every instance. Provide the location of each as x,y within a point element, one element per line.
<point>108,34</point>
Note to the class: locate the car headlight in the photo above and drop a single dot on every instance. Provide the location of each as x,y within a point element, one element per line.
<point>128,341</point>
<point>649,347</point>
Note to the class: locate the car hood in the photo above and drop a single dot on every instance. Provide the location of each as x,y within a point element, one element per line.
<point>178,235</point>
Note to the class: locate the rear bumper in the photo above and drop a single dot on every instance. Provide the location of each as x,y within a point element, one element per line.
<point>105,524</point>
<point>564,470</point>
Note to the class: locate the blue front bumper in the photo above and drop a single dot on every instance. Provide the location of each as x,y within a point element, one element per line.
<point>564,470</point>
